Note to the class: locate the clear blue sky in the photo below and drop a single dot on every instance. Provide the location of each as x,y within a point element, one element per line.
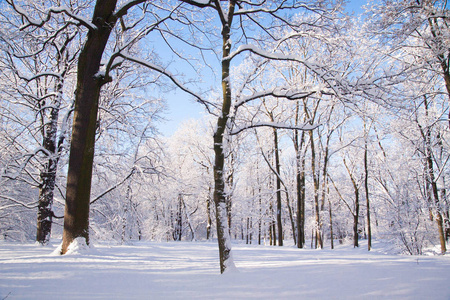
<point>181,106</point>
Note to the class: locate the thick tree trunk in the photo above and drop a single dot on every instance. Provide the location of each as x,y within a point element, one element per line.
<point>89,83</point>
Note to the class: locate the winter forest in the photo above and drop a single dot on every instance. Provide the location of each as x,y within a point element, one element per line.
<point>318,126</point>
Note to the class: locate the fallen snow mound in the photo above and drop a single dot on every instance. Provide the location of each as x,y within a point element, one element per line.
<point>77,247</point>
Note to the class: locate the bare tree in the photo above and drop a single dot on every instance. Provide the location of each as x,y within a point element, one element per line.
<point>40,60</point>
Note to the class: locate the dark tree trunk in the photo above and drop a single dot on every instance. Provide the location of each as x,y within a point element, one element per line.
<point>355,213</point>
<point>366,187</point>
<point>89,83</point>
<point>208,215</point>
<point>220,199</point>
<point>318,226</point>
<point>278,186</point>
<point>331,223</point>
<point>259,217</point>
<point>48,176</point>
<point>45,212</point>
<point>356,216</point>
<point>300,182</point>
<point>53,151</point>
<point>179,220</point>
<point>274,233</point>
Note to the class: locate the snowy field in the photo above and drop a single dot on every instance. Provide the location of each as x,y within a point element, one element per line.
<point>182,270</point>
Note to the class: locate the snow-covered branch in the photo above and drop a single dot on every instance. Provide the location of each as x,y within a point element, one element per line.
<point>307,126</point>
<point>122,11</point>
<point>170,76</point>
<point>43,74</point>
<point>16,202</point>
<point>280,92</point>
<point>316,68</point>
<point>48,14</point>
<point>110,189</point>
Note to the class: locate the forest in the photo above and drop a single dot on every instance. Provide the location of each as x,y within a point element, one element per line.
<point>318,126</point>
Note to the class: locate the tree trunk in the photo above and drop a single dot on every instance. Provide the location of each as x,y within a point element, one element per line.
<point>318,226</point>
<point>179,219</point>
<point>208,215</point>
<point>331,223</point>
<point>48,174</point>
<point>45,212</point>
<point>366,187</point>
<point>46,189</point>
<point>437,34</point>
<point>437,208</point>
<point>259,217</point>
<point>355,213</point>
<point>431,180</point>
<point>278,186</point>
<point>355,228</point>
<point>89,83</point>
<point>356,217</point>
<point>300,182</point>
<point>223,236</point>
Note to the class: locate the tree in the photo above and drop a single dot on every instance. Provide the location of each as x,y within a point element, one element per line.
<point>417,25</point>
<point>416,31</point>
<point>90,79</point>
<point>40,60</point>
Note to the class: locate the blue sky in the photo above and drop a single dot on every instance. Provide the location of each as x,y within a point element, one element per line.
<point>181,107</point>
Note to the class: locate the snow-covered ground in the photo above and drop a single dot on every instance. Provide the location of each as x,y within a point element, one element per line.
<point>182,270</point>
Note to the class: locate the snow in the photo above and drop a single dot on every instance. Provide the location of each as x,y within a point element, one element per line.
<point>190,270</point>
<point>78,246</point>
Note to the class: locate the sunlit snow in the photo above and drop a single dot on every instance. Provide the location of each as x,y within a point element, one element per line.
<point>184,270</point>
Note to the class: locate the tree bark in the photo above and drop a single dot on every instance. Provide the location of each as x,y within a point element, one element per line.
<point>89,83</point>
<point>53,148</point>
<point>208,215</point>
<point>45,211</point>
<point>366,187</point>
<point>300,182</point>
<point>435,210</point>
<point>318,229</point>
<point>356,210</point>
<point>331,223</point>
<point>220,198</point>
<point>48,174</point>
<point>278,187</point>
